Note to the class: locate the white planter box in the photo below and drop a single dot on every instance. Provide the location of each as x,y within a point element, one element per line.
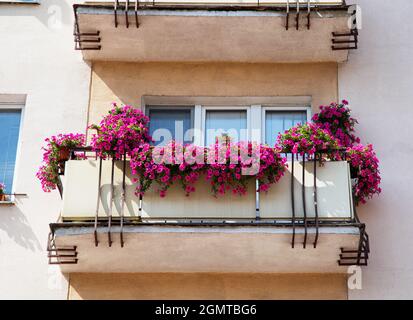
<point>80,195</point>
<point>333,193</point>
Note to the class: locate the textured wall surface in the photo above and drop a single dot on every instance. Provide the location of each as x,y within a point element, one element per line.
<point>206,286</point>
<point>378,82</point>
<point>37,59</point>
<point>128,82</point>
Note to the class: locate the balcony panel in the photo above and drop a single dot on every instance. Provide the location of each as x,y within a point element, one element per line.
<point>81,193</point>
<point>205,35</point>
<point>334,199</point>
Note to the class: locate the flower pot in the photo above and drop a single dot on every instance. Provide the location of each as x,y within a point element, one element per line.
<point>354,181</point>
<point>64,154</point>
<point>2,197</point>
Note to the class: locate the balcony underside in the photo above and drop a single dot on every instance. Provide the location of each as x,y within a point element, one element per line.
<point>200,35</point>
<point>169,248</point>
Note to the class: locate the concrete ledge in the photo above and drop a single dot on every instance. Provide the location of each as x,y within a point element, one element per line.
<point>206,249</point>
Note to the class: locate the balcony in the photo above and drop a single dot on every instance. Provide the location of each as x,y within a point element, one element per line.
<point>305,223</point>
<point>268,32</point>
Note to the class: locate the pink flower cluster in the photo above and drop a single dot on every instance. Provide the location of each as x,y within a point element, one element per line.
<point>2,188</point>
<point>121,131</point>
<point>306,138</point>
<point>332,128</point>
<point>364,165</point>
<point>49,171</point>
<point>165,165</point>
<point>227,167</point>
<point>236,163</point>
<point>336,119</point>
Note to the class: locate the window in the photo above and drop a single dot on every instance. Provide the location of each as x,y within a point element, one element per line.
<point>170,123</point>
<point>230,123</point>
<point>9,136</point>
<point>278,121</point>
<point>218,118</point>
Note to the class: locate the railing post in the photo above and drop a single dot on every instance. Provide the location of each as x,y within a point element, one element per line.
<point>123,199</point>
<point>315,200</point>
<point>95,232</point>
<point>292,200</point>
<point>304,203</point>
<point>257,200</point>
<point>112,195</point>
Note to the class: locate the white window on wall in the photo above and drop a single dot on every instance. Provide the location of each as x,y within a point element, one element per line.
<point>10,119</point>
<point>278,121</point>
<point>171,123</point>
<point>204,124</point>
<point>227,122</point>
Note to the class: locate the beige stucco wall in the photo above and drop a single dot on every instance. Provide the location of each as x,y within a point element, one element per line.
<point>128,82</point>
<point>207,286</point>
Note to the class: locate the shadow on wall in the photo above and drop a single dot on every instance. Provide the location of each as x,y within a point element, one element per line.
<point>14,223</point>
<point>54,14</point>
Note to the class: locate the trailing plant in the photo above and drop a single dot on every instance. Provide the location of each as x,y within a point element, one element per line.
<point>48,173</point>
<point>235,164</point>
<point>364,166</point>
<point>2,188</point>
<point>119,132</point>
<point>336,119</point>
<point>306,138</point>
<point>227,167</point>
<point>164,165</point>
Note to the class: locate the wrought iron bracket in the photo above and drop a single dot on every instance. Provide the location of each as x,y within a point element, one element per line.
<point>359,256</point>
<point>62,254</point>
<point>85,40</point>
<point>304,222</point>
<point>351,43</point>
<point>127,7</point>
<point>351,38</point>
<point>297,15</point>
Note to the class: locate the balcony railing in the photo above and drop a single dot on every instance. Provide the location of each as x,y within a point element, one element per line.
<point>310,195</point>
<point>311,205</point>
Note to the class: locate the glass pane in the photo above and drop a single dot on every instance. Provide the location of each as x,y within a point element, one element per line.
<point>278,121</point>
<point>231,123</point>
<point>170,124</point>
<point>9,136</point>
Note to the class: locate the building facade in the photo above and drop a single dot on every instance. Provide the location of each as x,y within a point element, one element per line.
<point>261,68</point>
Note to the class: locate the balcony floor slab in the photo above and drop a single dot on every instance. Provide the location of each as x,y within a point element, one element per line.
<point>260,249</point>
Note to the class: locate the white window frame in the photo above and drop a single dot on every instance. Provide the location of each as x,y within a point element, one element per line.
<point>273,108</point>
<point>15,103</point>
<point>205,109</point>
<point>256,108</point>
<point>191,108</point>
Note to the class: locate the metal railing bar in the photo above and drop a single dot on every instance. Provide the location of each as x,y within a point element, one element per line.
<point>316,200</point>
<point>287,22</point>
<point>304,203</point>
<point>136,13</point>
<point>297,18</point>
<point>95,232</point>
<point>115,9</point>
<point>257,200</point>
<point>126,13</point>
<point>123,199</point>
<point>362,230</point>
<point>253,223</point>
<point>112,196</point>
<point>292,201</point>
